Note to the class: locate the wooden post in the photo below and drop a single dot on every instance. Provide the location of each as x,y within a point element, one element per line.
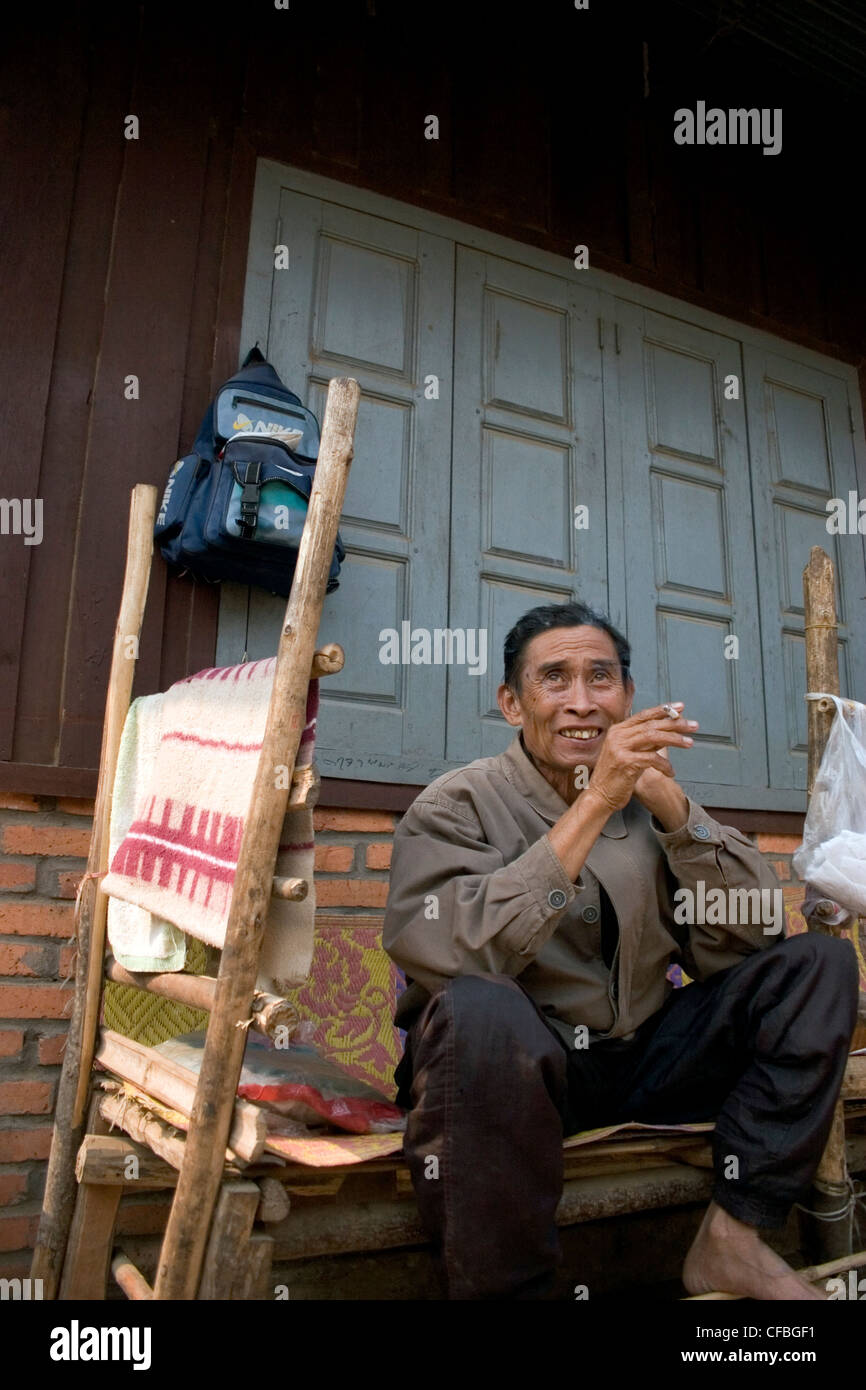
<point>826,1239</point>
<point>187,1230</point>
<point>231,1228</point>
<point>91,911</point>
<point>822,658</point>
<point>91,1230</point>
<point>254,1279</point>
<point>111,1160</point>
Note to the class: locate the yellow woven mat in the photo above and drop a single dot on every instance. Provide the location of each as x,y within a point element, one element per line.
<point>148,1019</point>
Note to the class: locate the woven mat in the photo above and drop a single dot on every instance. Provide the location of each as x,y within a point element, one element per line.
<point>148,1019</point>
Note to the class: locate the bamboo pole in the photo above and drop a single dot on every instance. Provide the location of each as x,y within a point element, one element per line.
<point>190,1217</point>
<point>829,1239</point>
<point>91,910</point>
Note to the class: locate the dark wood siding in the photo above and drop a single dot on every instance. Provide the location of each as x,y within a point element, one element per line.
<point>128,256</point>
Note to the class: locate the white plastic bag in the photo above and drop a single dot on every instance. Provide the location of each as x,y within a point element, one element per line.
<point>833,853</point>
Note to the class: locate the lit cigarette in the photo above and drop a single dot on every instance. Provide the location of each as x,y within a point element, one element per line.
<point>671,711</point>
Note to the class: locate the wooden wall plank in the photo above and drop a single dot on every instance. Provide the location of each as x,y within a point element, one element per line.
<point>181,622</point>
<point>795,225</point>
<point>729,232</point>
<point>501,147</point>
<point>394,111</point>
<point>146,332</point>
<point>108,72</point>
<point>591,92</point>
<point>43,96</point>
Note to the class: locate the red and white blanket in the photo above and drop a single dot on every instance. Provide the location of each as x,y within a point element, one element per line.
<point>179,856</point>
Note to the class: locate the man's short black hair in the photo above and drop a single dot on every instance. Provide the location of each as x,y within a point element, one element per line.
<point>552,615</point>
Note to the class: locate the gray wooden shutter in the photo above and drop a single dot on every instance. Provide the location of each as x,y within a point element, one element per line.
<point>528,448</point>
<point>459,513</point>
<point>688,544</point>
<point>369,298</point>
<point>802,445</point>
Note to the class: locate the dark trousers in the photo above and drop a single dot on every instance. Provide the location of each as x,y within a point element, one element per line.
<point>760,1048</point>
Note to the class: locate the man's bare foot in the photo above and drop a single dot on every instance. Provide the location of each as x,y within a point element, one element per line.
<point>727,1256</point>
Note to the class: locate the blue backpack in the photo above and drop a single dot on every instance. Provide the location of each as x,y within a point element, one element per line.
<point>235,507</point>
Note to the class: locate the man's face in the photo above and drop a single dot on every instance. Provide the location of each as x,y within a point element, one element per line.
<point>571,684</point>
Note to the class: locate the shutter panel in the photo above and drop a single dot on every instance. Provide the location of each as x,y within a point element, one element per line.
<point>459,513</point>
<point>369,298</point>
<point>688,543</point>
<point>528,448</point>
<point>802,455</point>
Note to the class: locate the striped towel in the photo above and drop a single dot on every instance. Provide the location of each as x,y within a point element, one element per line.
<point>139,940</point>
<point>179,856</point>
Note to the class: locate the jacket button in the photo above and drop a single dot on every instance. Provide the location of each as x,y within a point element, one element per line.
<point>557,898</point>
<point>590,913</point>
<point>701,832</point>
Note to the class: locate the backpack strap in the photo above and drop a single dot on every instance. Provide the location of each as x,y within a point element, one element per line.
<point>251,485</point>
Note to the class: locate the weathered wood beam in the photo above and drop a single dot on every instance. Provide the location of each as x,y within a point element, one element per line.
<point>91,1237</point>
<point>230,1232</point>
<point>254,1280</point>
<point>91,911</point>
<point>122,1112</point>
<point>176,1086</point>
<point>822,659</point>
<point>854,1080</point>
<point>91,1232</point>
<point>114,1161</point>
<point>189,1220</point>
<point>828,1239</point>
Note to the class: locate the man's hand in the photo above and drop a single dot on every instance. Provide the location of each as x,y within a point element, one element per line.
<point>634,752</point>
<point>663,797</point>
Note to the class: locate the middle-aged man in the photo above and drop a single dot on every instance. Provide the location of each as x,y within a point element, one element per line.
<point>532,907</point>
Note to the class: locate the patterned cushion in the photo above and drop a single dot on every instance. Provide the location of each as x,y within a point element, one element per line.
<point>351,996</point>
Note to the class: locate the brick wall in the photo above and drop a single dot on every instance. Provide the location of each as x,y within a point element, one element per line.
<point>43,843</point>
<point>43,848</point>
<point>779,849</point>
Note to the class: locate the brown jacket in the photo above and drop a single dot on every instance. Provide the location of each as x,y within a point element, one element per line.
<point>473,849</point>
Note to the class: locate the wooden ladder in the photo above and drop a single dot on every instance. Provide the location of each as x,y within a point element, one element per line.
<point>210,1222</point>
